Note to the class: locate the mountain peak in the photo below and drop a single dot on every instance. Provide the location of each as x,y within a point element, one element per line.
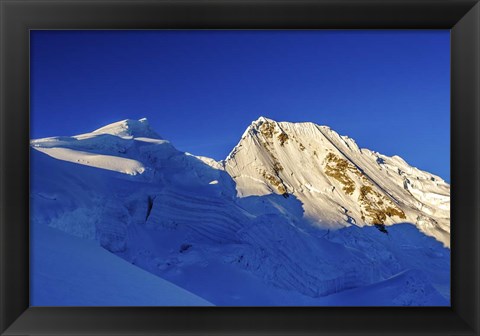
<point>129,128</point>
<point>264,119</point>
<point>260,121</point>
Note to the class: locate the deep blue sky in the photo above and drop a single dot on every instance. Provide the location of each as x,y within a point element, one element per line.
<point>389,90</point>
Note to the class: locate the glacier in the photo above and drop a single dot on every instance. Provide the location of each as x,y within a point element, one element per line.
<point>296,215</point>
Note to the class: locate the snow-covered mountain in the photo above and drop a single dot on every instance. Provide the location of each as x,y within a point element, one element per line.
<point>337,182</point>
<point>286,219</point>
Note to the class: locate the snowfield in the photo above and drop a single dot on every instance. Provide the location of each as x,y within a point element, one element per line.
<point>295,215</point>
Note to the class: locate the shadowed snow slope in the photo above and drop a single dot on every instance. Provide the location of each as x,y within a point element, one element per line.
<point>77,272</point>
<point>227,232</point>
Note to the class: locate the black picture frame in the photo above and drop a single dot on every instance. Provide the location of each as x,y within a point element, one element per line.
<point>17,17</point>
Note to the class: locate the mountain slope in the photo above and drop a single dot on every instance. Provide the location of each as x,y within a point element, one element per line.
<point>338,183</point>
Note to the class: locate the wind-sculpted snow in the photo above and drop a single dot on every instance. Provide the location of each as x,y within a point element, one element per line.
<point>211,218</point>
<point>409,288</point>
<point>227,231</point>
<point>129,128</point>
<point>324,267</point>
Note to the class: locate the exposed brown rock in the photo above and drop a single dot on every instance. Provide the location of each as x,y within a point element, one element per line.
<point>275,181</point>
<point>277,167</point>
<point>267,129</point>
<point>282,137</point>
<point>338,168</point>
<point>377,207</point>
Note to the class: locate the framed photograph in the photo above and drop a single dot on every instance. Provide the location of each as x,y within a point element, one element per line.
<point>240,167</point>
